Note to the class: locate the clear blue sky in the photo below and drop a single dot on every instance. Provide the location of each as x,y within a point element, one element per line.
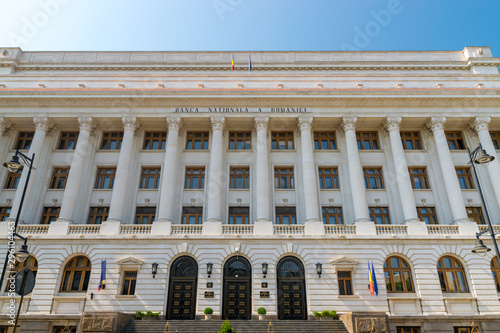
<point>247,25</point>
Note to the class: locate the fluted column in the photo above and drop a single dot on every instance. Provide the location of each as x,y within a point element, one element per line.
<point>42,126</point>
<point>167,189</point>
<point>309,173</point>
<point>356,178</point>
<point>120,186</point>
<point>262,170</point>
<point>481,126</point>
<point>215,176</point>
<point>402,176</point>
<point>71,191</point>
<point>448,171</point>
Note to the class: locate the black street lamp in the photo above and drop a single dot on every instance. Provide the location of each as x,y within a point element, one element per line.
<point>13,166</point>
<point>479,156</point>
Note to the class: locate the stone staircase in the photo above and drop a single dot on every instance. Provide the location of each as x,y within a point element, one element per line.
<point>241,326</point>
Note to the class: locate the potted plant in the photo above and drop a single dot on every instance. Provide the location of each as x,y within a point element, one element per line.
<point>317,314</point>
<point>326,314</point>
<point>227,328</point>
<point>151,316</point>
<point>262,313</point>
<point>139,315</point>
<point>208,313</point>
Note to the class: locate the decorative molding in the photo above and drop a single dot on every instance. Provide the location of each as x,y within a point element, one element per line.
<point>86,123</point>
<point>174,123</point>
<point>43,123</point>
<point>344,264</point>
<point>130,263</point>
<point>305,123</point>
<point>436,123</point>
<point>261,123</point>
<point>481,123</point>
<point>393,123</point>
<point>349,123</point>
<point>4,125</point>
<point>130,123</point>
<point>218,123</point>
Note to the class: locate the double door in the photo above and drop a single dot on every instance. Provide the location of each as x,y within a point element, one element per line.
<point>237,300</point>
<point>182,299</point>
<point>291,299</point>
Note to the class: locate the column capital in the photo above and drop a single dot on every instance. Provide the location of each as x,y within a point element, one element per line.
<point>4,125</point>
<point>436,123</point>
<point>174,123</point>
<point>261,123</point>
<point>481,123</point>
<point>43,123</point>
<point>305,123</point>
<point>218,122</point>
<point>130,123</point>
<point>86,123</point>
<point>393,123</point>
<point>349,123</point>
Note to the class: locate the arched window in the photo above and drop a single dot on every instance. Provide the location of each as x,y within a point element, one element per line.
<point>452,276</point>
<point>290,267</point>
<point>184,267</point>
<point>30,263</point>
<point>397,274</point>
<point>495,270</point>
<point>237,267</point>
<point>76,275</point>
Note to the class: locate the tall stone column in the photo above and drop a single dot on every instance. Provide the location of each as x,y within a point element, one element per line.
<point>167,189</point>
<point>262,170</point>
<point>215,176</point>
<point>42,126</point>
<point>309,173</point>
<point>356,178</point>
<point>402,176</point>
<point>448,171</point>
<point>71,193</point>
<point>120,186</point>
<point>481,126</point>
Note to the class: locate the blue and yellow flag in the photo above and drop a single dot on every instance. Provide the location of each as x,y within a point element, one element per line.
<point>102,283</point>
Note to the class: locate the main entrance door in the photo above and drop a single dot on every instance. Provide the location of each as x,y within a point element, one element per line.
<point>291,289</point>
<point>182,289</point>
<point>237,300</point>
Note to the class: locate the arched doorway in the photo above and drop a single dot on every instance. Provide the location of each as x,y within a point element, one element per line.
<point>291,289</point>
<point>182,290</point>
<point>237,301</point>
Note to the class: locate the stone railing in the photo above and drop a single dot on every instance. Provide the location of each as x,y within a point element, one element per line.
<point>135,229</point>
<point>443,229</point>
<point>392,229</point>
<point>496,228</point>
<point>237,229</point>
<point>84,229</point>
<point>186,229</point>
<point>340,229</point>
<point>33,229</point>
<point>289,229</point>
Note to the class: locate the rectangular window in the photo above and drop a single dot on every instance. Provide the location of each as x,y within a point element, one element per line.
<point>155,140</point>
<point>59,178</point>
<point>145,215</point>
<point>239,215</point>
<point>411,140</point>
<point>5,213</point>
<point>240,140</point>
<point>418,178</point>
<point>239,177</point>
<point>332,215</point>
<point>455,140</point>
<point>112,140</point>
<point>50,214</point>
<point>463,329</point>
<point>285,215</point>
<point>367,140</point>
<point>406,329</point>
<point>324,140</point>
<point>192,215</point>
<point>283,178</point>
<point>97,215</point>
<point>150,177</point>
<point>105,178</point>
<point>465,178</point>
<point>495,137</point>
<point>13,179</point>
<point>427,214</point>
<point>345,283</point>
<point>475,214</point>
<point>24,140</point>
<point>129,281</point>
<point>195,178</point>
<point>373,178</point>
<point>197,141</point>
<point>328,178</point>
<point>68,140</point>
<point>379,215</point>
<point>282,140</point>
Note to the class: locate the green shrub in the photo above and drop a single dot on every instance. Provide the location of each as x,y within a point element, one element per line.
<point>227,328</point>
<point>208,311</point>
<point>325,313</point>
<point>139,314</point>
<point>151,314</point>
<point>261,311</point>
<point>317,314</point>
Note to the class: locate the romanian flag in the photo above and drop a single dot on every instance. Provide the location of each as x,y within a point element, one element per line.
<point>102,283</point>
<point>372,280</point>
<point>232,63</point>
<point>249,63</point>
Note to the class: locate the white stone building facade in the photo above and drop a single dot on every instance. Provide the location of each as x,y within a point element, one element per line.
<point>331,158</point>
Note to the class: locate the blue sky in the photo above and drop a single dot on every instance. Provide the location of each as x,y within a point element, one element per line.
<point>249,25</point>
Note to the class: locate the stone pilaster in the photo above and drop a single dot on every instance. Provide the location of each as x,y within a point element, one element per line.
<point>215,173</point>
<point>262,170</point>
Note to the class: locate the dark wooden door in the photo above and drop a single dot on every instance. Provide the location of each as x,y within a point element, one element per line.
<point>182,299</point>
<point>291,299</point>
<point>237,301</point>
